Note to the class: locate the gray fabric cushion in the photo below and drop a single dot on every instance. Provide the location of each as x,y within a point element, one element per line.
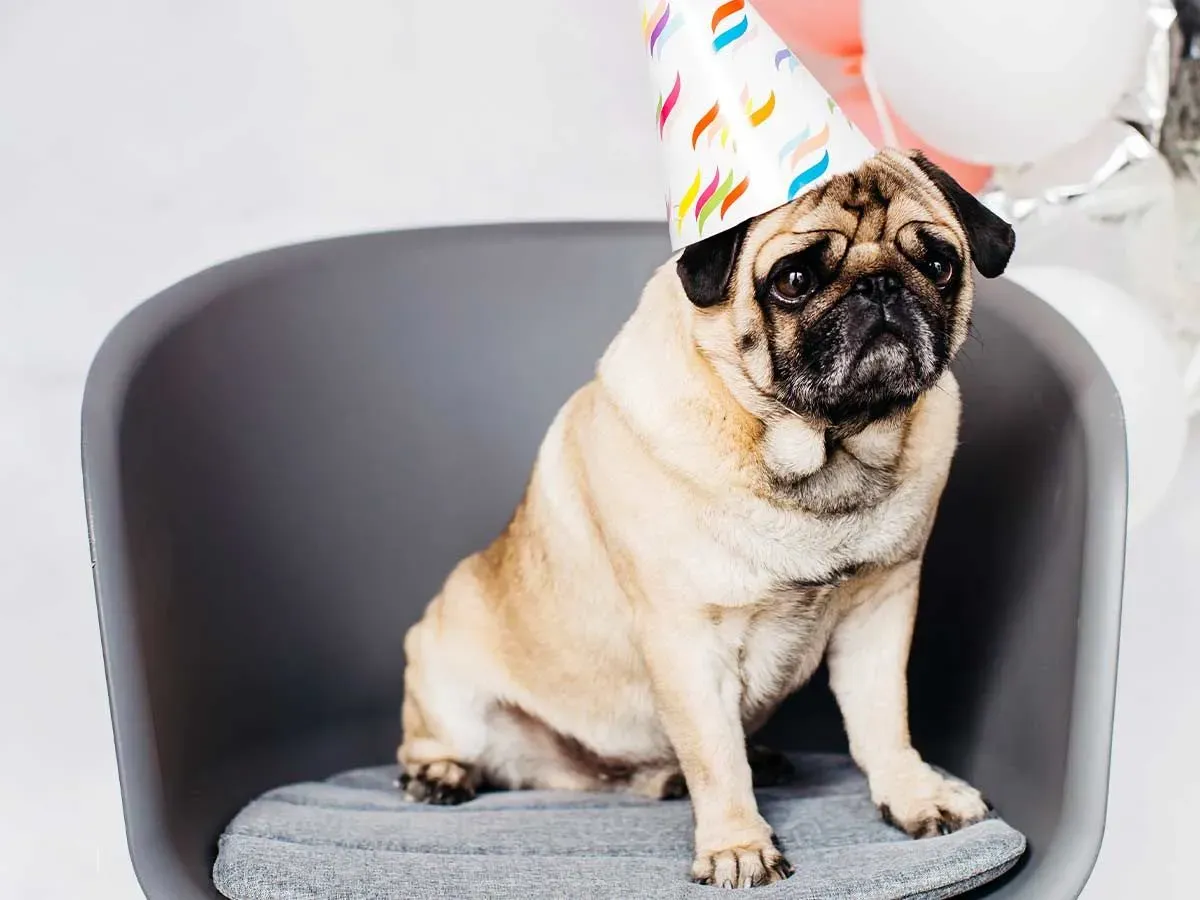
<point>354,837</point>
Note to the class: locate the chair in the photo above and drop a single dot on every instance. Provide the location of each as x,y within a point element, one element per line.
<point>285,455</point>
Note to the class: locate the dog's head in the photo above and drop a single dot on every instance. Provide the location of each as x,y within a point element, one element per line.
<point>849,303</point>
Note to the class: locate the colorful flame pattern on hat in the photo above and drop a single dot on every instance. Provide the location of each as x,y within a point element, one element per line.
<point>760,114</point>
<point>719,196</point>
<point>666,105</point>
<point>729,24</point>
<point>744,126</point>
<point>805,144</point>
<point>660,26</point>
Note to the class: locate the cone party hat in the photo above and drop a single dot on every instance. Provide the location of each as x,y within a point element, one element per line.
<point>744,126</point>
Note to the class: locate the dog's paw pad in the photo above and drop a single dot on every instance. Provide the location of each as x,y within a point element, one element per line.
<point>743,866</point>
<point>444,783</point>
<point>934,805</point>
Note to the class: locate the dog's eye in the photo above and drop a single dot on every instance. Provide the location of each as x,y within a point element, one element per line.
<point>940,270</point>
<point>793,283</point>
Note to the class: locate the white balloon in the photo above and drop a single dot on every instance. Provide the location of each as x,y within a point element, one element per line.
<point>1141,363</point>
<point>1003,81</point>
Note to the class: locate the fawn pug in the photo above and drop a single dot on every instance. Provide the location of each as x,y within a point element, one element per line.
<point>746,487</point>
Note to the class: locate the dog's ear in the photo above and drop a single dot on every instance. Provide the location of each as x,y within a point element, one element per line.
<point>992,239</point>
<point>706,267</point>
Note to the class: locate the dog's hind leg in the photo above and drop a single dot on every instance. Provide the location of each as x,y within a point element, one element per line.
<point>429,769</point>
<point>444,719</point>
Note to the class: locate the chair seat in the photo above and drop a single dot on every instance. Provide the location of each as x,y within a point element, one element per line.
<point>354,836</point>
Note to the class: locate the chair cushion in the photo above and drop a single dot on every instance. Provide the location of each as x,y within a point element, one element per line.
<point>354,836</point>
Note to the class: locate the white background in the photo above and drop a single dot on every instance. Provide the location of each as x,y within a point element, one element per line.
<point>141,140</point>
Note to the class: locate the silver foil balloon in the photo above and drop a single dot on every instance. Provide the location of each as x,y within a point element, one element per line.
<point>1124,203</point>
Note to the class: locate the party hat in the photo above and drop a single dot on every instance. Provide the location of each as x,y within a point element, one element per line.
<point>744,126</point>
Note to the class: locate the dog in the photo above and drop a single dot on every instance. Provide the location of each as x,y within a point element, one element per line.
<point>745,488</point>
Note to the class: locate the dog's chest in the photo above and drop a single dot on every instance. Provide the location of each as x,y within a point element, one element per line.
<point>773,548</point>
<point>777,645</point>
<point>828,510</point>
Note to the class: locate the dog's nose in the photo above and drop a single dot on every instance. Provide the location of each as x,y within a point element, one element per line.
<point>880,287</point>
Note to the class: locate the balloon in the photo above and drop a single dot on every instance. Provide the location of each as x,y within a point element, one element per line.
<point>1141,363</point>
<point>823,26</point>
<point>856,103</point>
<point>1003,81</point>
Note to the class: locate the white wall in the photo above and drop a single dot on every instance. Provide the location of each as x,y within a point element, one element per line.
<point>141,140</point>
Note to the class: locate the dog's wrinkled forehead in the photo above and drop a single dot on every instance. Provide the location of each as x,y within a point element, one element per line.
<point>866,209</point>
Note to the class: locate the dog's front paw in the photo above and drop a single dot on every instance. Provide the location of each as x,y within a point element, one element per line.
<point>923,803</point>
<point>444,783</point>
<point>741,866</point>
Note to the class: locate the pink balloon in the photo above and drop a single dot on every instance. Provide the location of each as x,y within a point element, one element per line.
<point>856,104</point>
<point>824,26</point>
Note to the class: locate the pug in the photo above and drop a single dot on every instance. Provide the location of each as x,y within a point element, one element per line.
<point>745,488</point>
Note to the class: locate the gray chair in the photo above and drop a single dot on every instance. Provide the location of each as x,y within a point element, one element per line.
<point>285,455</point>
